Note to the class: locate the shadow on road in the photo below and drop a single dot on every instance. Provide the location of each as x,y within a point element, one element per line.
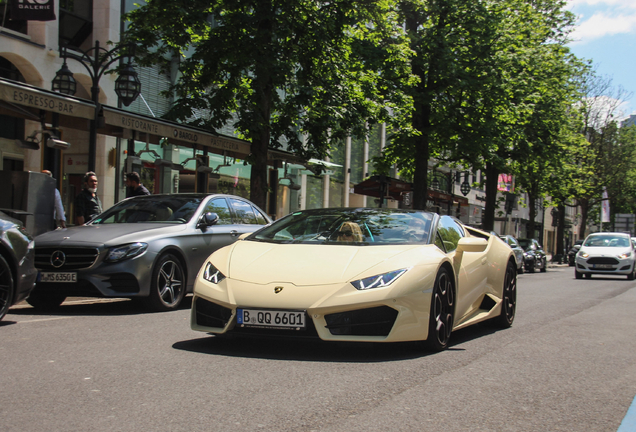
<point>92,307</point>
<point>316,350</point>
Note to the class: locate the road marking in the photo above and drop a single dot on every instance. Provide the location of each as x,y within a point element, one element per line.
<point>44,319</point>
<point>629,422</point>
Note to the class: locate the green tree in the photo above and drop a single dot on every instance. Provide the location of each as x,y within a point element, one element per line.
<point>292,72</point>
<point>605,158</point>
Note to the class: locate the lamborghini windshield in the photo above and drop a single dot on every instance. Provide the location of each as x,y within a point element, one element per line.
<point>349,226</point>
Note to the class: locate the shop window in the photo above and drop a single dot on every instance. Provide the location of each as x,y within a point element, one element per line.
<point>9,164</point>
<point>11,127</point>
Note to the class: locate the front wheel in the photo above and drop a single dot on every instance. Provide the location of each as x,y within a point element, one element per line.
<point>440,322</point>
<point>508,299</point>
<point>167,286</point>
<point>631,275</point>
<point>578,275</point>
<point>7,287</point>
<point>532,267</point>
<point>544,266</point>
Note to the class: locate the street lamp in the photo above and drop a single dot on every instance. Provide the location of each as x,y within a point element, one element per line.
<point>97,61</point>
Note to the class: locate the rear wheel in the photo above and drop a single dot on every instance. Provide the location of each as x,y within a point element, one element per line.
<point>40,299</point>
<point>167,286</point>
<point>7,287</point>
<point>508,299</point>
<point>440,323</point>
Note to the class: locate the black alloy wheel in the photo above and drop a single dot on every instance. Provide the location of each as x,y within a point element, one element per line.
<point>544,265</point>
<point>533,266</point>
<point>7,287</point>
<point>508,299</point>
<point>167,286</point>
<point>440,324</point>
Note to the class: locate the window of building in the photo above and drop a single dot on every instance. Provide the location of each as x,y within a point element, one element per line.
<point>76,22</point>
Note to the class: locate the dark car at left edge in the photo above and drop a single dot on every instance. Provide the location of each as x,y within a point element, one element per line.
<point>17,271</point>
<point>148,248</point>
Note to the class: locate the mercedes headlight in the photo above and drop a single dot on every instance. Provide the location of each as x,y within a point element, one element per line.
<point>121,253</point>
<point>378,281</point>
<point>212,274</point>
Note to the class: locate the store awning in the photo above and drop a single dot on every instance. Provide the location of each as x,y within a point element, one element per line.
<point>121,123</point>
<point>375,185</point>
<point>24,100</point>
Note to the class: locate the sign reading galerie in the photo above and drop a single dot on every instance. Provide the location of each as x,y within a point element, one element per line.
<point>33,10</point>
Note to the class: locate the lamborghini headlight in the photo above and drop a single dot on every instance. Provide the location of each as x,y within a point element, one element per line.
<point>378,281</point>
<point>212,274</point>
<point>625,255</point>
<point>121,253</point>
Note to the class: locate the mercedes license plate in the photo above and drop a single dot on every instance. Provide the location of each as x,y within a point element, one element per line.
<point>270,318</point>
<point>58,277</point>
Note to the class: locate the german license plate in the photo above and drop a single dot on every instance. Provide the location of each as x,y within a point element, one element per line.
<point>602,266</point>
<point>61,277</point>
<point>270,318</point>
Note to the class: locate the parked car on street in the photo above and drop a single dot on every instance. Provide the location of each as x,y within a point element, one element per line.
<point>358,274</point>
<point>17,272</point>
<point>573,250</point>
<point>147,247</point>
<point>534,255</point>
<point>606,253</point>
<point>517,249</point>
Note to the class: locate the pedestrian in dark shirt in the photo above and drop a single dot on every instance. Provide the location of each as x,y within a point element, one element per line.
<point>87,203</point>
<point>134,186</point>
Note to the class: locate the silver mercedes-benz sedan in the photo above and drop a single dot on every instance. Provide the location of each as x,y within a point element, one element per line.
<point>148,247</point>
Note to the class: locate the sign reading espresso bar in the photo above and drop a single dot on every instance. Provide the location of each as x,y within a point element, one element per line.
<point>32,98</point>
<point>162,129</point>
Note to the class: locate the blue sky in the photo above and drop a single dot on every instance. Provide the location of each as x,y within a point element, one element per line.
<point>606,34</point>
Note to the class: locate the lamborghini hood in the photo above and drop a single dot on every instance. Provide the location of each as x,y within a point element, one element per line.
<point>303,264</point>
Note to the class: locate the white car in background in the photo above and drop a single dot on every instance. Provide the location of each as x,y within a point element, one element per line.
<point>606,253</point>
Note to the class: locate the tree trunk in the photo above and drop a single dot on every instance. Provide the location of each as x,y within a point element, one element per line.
<point>560,232</point>
<point>531,230</point>
<point>584,203</point>
<point>488,218</point>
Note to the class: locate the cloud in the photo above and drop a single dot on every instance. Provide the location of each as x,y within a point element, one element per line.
<point>601,24</point>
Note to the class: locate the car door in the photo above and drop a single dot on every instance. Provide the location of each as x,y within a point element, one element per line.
<point>206,239</point>
<point>471,269</point>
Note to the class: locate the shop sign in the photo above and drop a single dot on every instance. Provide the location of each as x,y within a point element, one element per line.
<point>40,100</point>
<point>75,163</point>
<point>33,10</point>
<point>162,129</point>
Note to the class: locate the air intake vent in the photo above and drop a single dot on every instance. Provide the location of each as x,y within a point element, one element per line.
<point>376,321</point>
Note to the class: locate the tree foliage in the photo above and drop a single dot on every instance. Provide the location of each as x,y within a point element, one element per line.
<point>292,72</point>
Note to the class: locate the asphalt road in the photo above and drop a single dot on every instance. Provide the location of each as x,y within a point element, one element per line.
<point>565,365</point>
